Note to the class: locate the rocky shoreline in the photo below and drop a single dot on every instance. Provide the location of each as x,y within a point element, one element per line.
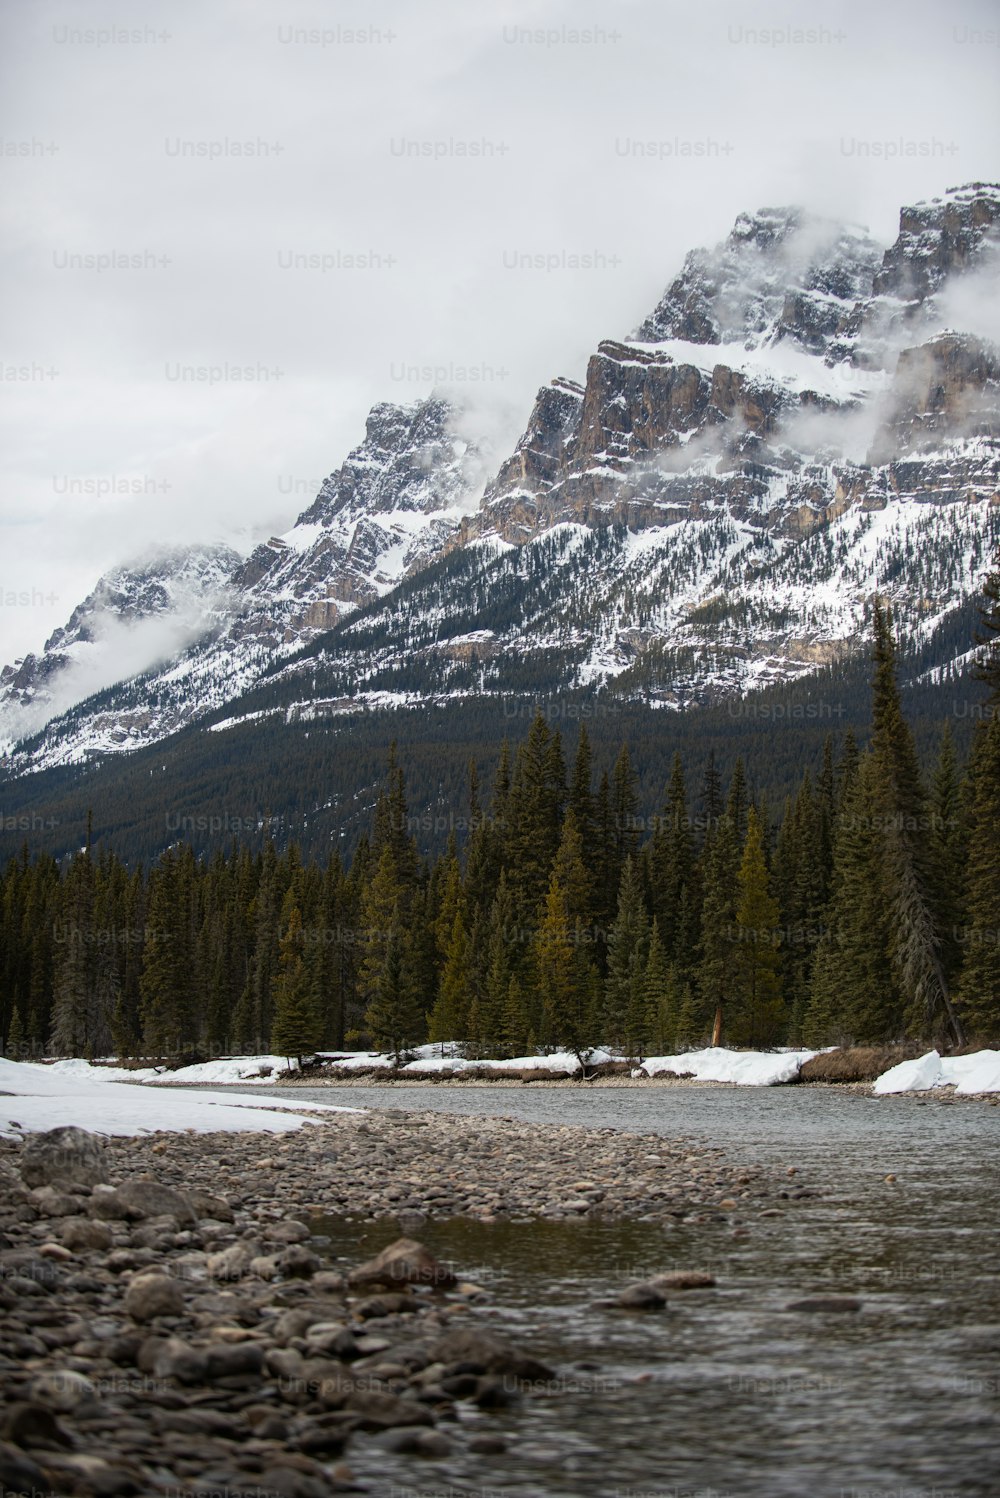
<point>170,1328</point>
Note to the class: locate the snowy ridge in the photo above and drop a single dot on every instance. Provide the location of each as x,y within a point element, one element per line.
<point>805,420</point>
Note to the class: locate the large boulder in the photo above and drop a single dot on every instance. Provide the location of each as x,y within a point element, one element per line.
<point>405,1262</point>
<point>66,1154</point>
<point>138,1199</point>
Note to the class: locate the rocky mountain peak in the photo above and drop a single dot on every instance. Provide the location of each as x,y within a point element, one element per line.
<point>782,272</point>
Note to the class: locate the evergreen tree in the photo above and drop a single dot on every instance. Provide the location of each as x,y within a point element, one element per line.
<point>533,827</point>
<point>946,856</point>
<point>628,952</point>
<point>718,918</point>
<point>74,997</point>
<point>980,983</point>
<point>711,797</point>
<point>757,1012</point>
<point>671,862</point>
<point>166,990</point>
<point>855,995</point>
<point>738,801</point>
<point>659,994</point>
<point>905,847</point>
<point>625,800</point>
<point>297,1027</point>
<point>449,1019</point>
<point>393,1015</point>
<point>564,975</point>
<point>988,635</point>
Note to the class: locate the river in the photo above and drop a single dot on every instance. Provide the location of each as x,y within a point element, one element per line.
<point>726,1393</point>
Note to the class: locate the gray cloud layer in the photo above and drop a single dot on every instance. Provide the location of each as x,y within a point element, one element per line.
<point>345,203</point>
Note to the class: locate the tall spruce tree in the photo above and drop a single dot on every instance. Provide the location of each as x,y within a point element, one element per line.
<point>980,982</point>
<point>722,862</point>
<point>906,849</point>
<point>628,952</point>
<point>757,1014</point>
<point>297,1026</point>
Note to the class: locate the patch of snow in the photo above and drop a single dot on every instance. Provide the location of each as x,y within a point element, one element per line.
<point>969,1075</point>
<point>717,1064</point>
<point>34,1097</point>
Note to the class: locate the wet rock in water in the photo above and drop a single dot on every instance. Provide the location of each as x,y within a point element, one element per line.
<point>642,1297</point>
<point>375,1410</point>
<point>493,1393</point>
<point>298,1262</point>
<point>411,1221</point>
<point>389,1304</point>
<point>151,1295</point>
<point>487,1445</point>
<point>67,1154</point>
<point>405,1262</point>
<point>417,1442</point>
<point>823,1304</point>
<point>285,1232</point>
<point>683,1279</point>
<point>471,1350</point>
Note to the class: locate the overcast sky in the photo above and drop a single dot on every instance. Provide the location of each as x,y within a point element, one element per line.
<point>439,140</point>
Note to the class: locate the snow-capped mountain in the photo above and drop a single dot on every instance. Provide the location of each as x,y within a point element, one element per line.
<point>391,506</point>
<point>805,419</point>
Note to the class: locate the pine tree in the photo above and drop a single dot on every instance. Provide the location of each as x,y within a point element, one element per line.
<point>628,951</point>
<point>988,636</point>
<point>297,1027</point>
<point>166,990</point>
<point>718,918</point>
<point>854,992</point>
<point>74,995</point>
<point>711,797</point>
<point>625,801</point>
<point>563,975</point>
<point>905,847</point>
<point>737,802</point>
<point>671,862</point>
<point>533,830</point>
<point>393,1014</point>
<point>659,994</point>
<point>449,1019</point>
<point>947,856</point>
<point>980,981</point>
<point>757,1011</point>
<point>517,1025</point>
<point>499,968</point>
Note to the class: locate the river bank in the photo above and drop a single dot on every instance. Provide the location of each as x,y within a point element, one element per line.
<point>826,1221</point>
<point>180,1318</point>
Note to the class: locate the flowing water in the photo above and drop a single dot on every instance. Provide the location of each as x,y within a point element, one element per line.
<point>726,1393</point>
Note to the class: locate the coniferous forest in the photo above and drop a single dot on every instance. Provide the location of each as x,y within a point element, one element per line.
<point>864,910</point>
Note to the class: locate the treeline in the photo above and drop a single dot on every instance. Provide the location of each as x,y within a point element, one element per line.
<point>865,910</point>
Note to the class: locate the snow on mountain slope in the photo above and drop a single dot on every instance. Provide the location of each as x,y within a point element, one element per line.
<point>798,425</point>
<point>395,502</point>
